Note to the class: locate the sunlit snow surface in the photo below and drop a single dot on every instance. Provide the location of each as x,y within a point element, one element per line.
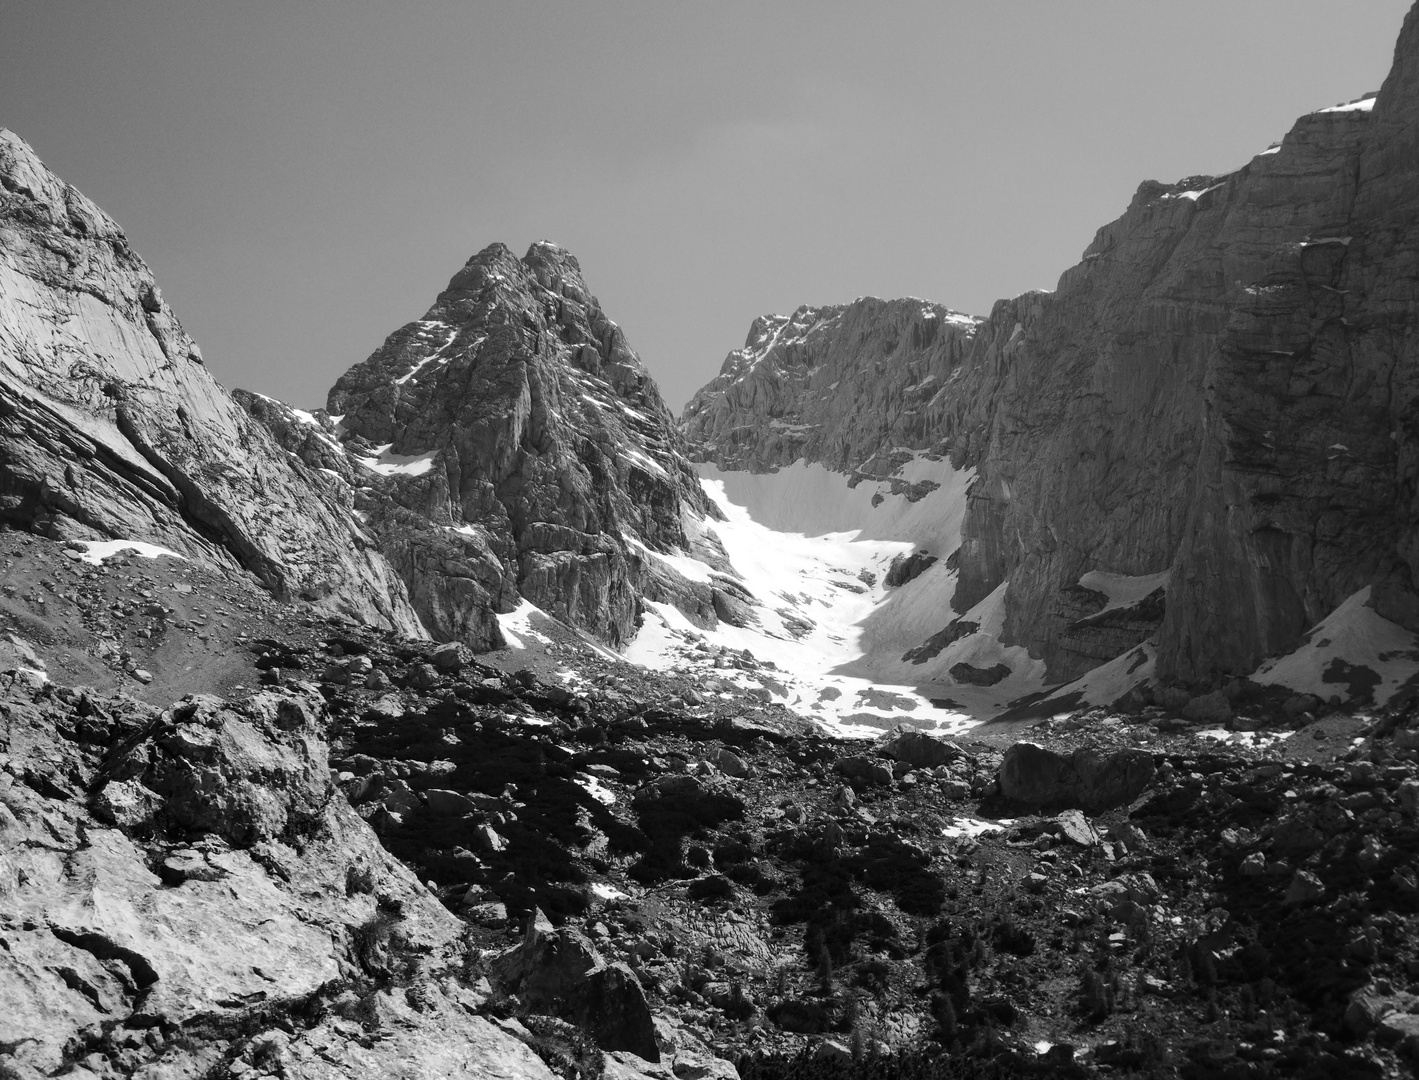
<point>1352,648</point>
<point>516,625</point>
<point>96,551</point>
<point>814,552</point>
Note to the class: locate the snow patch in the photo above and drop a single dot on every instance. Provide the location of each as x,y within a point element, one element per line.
<point>1365,104</point>
<point>1123,590</point>
<point>814,549</point>
<point>387,464</point>
<point>966,826</point>
<point>1353,652</point>
<point>96,551</point>
<point>517,624</point>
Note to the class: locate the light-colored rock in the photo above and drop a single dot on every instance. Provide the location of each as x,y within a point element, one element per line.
<point>228,934</point>
<point>113,428</point>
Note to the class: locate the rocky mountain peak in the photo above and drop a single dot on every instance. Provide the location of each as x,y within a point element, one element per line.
<point>510,446</point>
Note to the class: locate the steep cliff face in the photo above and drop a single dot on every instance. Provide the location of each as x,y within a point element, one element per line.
<point>832,385</point>
<point>510,445</point>
<point>110,426</point>
<point>1219,397</point>
<point>1221,388</point>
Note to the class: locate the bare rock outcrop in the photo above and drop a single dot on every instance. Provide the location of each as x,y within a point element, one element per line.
<point>177,886</point>
<point>111,427</point>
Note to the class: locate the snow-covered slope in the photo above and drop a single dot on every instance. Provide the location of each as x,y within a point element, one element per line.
<point>814,548</point>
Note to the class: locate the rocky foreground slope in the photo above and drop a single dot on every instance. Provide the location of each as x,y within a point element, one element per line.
<point>1219,392</point>
<point>394,859</point>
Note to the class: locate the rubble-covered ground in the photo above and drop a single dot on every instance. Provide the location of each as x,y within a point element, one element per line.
<point>189,890</point>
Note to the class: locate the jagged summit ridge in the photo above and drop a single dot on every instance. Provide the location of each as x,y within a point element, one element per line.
<point>836,385</point>
<point>509,446</point>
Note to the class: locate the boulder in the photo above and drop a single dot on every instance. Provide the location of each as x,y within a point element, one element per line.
<point>1088,779</point>
<point>451,657</point>
<point>1213,708</point>
<point>1305,888</point>
<point>861,767</point>
<point>445,803</point>
<point>1074,827</point>
<point>730,763</point>
<point>560,972</point>
<point>917,748</point>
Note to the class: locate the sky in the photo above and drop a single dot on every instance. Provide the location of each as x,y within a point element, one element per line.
<point>304,178</point>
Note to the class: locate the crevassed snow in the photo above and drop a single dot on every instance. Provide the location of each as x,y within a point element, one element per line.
<point>1353,636</point>
<point>96,551</point>
<point>814,552</point>
<point>1123,590</point>
<point>1363,105</point>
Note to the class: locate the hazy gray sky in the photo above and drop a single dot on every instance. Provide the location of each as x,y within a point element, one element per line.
<point>305,177</point>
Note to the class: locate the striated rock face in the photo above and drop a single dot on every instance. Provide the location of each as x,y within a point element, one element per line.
<point>510,444</point>
<point>110,426</point>
<point>1224,388</point>
<point>833,385</point>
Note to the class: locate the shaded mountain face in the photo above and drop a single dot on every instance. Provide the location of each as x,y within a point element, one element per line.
<point>111,427</point>
<point>833,385</point>
<point>510,446</point>
<point>1222,388</point>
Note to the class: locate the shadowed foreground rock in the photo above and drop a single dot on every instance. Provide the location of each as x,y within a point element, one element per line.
<point>560,971</point>
<point>1086,779</point>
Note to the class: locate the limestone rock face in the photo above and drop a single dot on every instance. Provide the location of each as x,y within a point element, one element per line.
<point>177,885</point>
<point>834,385</point>
<point>510,445</point>
<point>111,427</point>
<point>1223,388</point>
